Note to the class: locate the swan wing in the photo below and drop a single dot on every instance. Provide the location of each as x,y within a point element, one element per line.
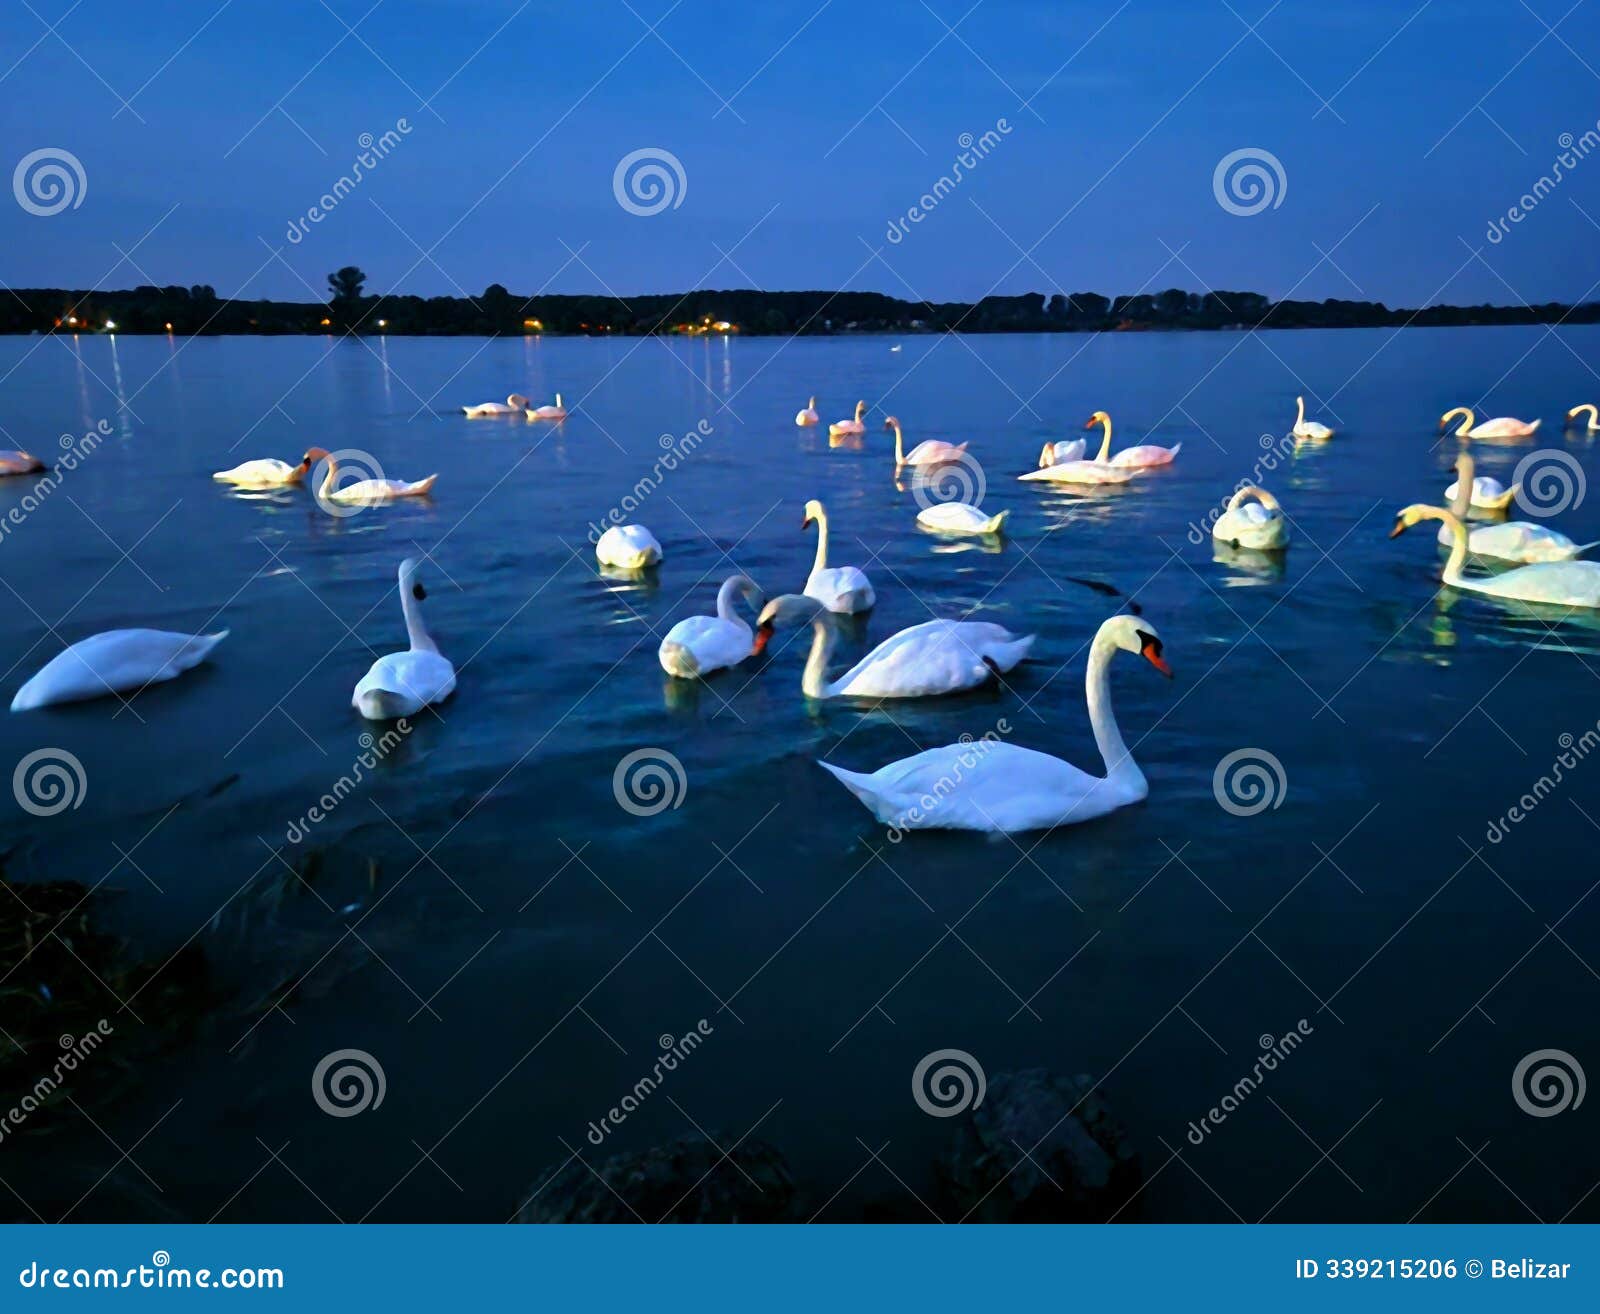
<point>938,656</point>
<point>1565,583</point>
<point>841,589</point>
<point>112,662</point>
<point>702,644</point>
<point>403,683</point>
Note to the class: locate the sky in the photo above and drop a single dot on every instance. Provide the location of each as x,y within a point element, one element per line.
<point>1385,140</point>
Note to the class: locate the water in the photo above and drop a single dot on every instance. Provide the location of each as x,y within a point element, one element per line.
<point>510,944</point>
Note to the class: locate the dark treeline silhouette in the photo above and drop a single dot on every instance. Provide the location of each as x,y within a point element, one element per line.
<point>198,309</point>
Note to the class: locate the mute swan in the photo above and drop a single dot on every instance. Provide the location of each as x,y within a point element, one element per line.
<point>631,547</point>
<point>809,415</point>
<point>556,412</point>
<point>932,451</point>
<point>515,404</point>
<point>702,644</point>
<point>1056,453</point>
<point>19,463</point>
<point>838,588</point>
<point>1594,415</point>
<point>1488,493</point>
<point>1260,524</point>
<point>1512,540</point>
<point>850,426</point>
<point>267,473</point>
<point>1304,428</point>
<point>995,787</point>
<point>1504,427</point>
<point>959,518</point>
<point>403,683</point>
<point>1080,472</point>
<point>936,657</point>
<point>1565,583</point>
<point>111,662</point>
<point>1131,458</point>
<point>364,492</point>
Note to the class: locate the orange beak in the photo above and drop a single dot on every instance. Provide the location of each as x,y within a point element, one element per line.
<point>763,637</point>
<point>1156,659</point>
<point>1089,423</point>
<point>1399,528</point>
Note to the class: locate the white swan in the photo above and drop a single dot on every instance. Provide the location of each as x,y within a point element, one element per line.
<point>403,683</point>
<point>1593,412</point>
<point>19,463</point>
<point>1133,458</point>
<point>1304,428</point>
<point>936,657</point>
<point>631,547</point>
<point>111,662</point>
<point>1258,524</point>
<point>992,786</point>
<point>931,451</point>
<point>838,588</point>
<point>1511,540</point>
<point>547,412</point>
<point>1565,583</point>
<point>364,492</point>
<point>849,426</point>
<point>960,518</point>
<point>702,644</point>
<point>1503,427</point>
<point>266,473</point>
<point>1056,453</point>
<point>515,404</point>
<point>1488,493</point>
<point>808,415</point>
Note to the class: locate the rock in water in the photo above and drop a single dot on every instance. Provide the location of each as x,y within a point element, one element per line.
<point>686,1181</point>
<point>1079,1166</point>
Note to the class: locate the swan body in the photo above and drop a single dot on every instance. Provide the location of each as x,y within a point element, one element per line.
<point>1129,458</point>
<point>267,473</point>
<point>364,492</point>
<point>960,518</point>
<point>850,426</point>
<point>1304,428</point>
<point>515,404</point>
<point>111,662</point>
<point>932,451</point>
<point>1502,427</point>
<point>1056,453</point>
<point>843,589</point>
<point>1593,412</point>
<point>1080,472</point>
<point>556,412</point>
<point>403,683</point>
<point>998,787</point>
<point>1258,524</point>
<point>1512,540</point>
<point>19,463</point>
<point>632,547</point>
<point>702,644</point>
<point>936,657</point>
<point>1488,493</point>
<point>807,416</point>
<point>1562,583</point>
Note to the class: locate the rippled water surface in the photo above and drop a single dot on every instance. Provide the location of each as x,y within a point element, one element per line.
<point>510,943</point>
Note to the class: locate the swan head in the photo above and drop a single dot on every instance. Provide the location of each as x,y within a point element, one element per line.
<point>313,455</point>
<point>1099,417</point>
<point>1417,511</point>
<point>1136,634</point>
<point>890,422</point>
<point>409,583</point>
<point>814,511</point>
<point>517,400</point>
<point>786,609</point>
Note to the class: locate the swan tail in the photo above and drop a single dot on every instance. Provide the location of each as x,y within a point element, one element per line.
<point>1584,547</point>
<point>384,705</point>
<point>858,784</point>
<point>996,523</point>
<point>857,600</point>
<point>1175,449</point>
<point>1535,424</point>
<point>422,487</point>
<point>678,660</point>
<point>196,650</point>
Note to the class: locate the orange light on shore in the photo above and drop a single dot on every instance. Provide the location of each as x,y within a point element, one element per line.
<point>383,323</point>
<point>169,326</point>
<point>326,322</point>
<point>535,324</point>
<point>72,319</point>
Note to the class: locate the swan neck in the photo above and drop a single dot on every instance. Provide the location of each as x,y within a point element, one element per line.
<point>899,449</point>
<point>1097,688</point>
<point>814,679</point>
<point>416,629</point>
<point>1461,503</point>
<point>1105,443</point>
<point>1458,550</point>
<point>821,562</point>
<point>329,486</point>
<point>725,596</point>
<point>1299,411</point>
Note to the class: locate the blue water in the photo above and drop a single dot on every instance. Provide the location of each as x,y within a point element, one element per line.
<point>509,943</point>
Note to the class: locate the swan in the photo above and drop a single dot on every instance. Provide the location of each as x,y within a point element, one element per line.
<point>556,412</point>
<point>702,644</point>
<point>1512,540</point>
<point>936,657</point>
<point>838,588</point>
<point>1304,428</point>
<point>1504,427</point>
<point>1488,493</point>
<point>1132,458</point>
<point>1080,472</point>
<point>807,416</point>
<point>111,662</point>
<point>959,518</point>
<point>1594,415</point>
<point>631,547</point>
<point>931,451</point>
<point>1056,453</point>
<point>363,492</point>
<point>267,473</point>
<point>1260,524</point>
<point>997,787</point>
<point>403,683</point>
<point>1566,583</point>
<point>850,426</point>
<point>19,463</point>
<point>512,405</point>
